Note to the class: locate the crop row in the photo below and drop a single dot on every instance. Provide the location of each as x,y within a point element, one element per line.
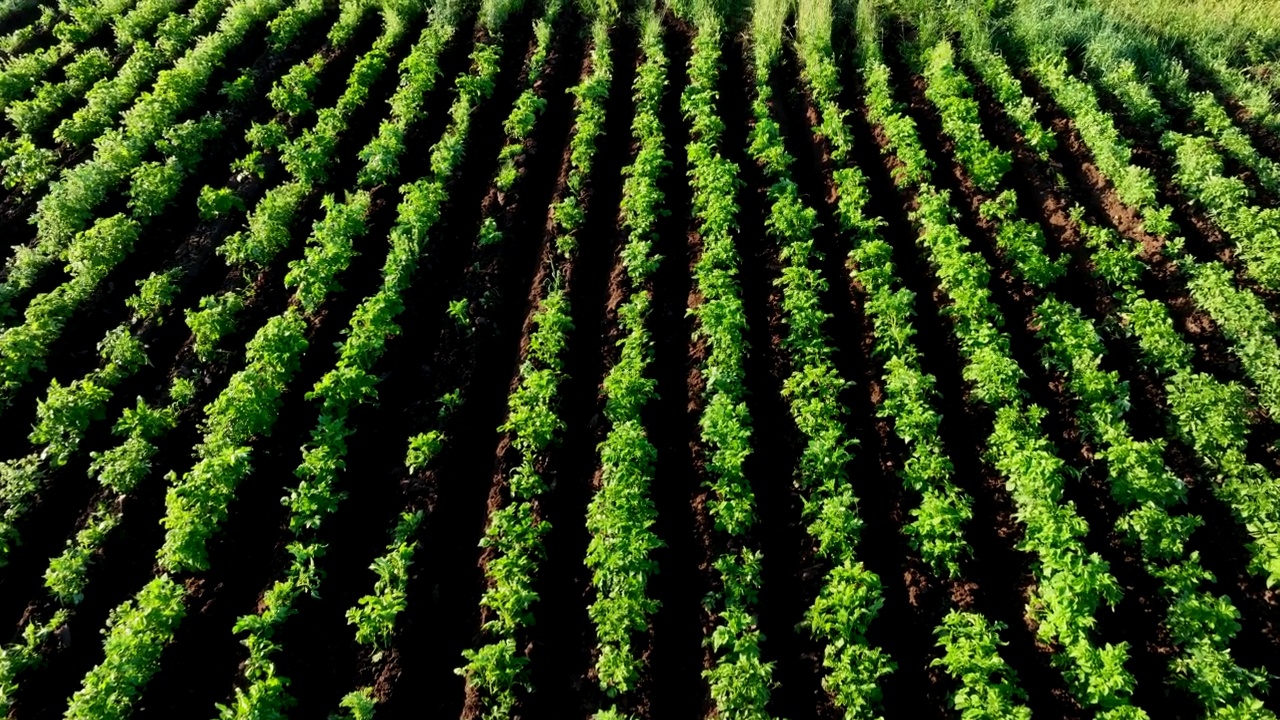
<point>374,616</point>
<point>970,642</point>
<point>1141,483</point>
<point>621,514</point>
<point>349,384</point>
<point>64,213</point>
<point>245,409</point>
<point>739,679</point>
<point>514,534</point>
<point>1071,583</point>
<point>1240,314</point>
<point>850,596</point>
<point>1199,622</point>
<point>66,411</point>
<point>21,73</point>
<point>28,166</point>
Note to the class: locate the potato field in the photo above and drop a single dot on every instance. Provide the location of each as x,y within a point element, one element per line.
<point>586,359</point>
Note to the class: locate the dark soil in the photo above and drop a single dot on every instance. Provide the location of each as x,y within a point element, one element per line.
<point>432,355</point>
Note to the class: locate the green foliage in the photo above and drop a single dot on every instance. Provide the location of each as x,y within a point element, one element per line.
<point>1022,241</point>
<point>1244,320</point>
<point>1133,184</point>
<point>196,503</point>
<point>26,653</point>
<point>988,686</point>
<point>375,615</point>
<point>1255,230</point>
<point>291,94</point>
<point>239,90</point>
<point>155,292</point>
<point>360,705</point>
<point>269,227</point>
<point>418,75</point>
<point>213,204</point>
<point>28,167</point>
<point>215,319</point>
<point>30,115</point>
<point>423,448</point>
<point>136,633</point>
<point>329,250</point>
<point>978,50</point>
<point>949,90</point>
<point>489,233</point>
<point>621,514</point>
<point>1071,584</point>
<point>66,576</point>
<point>349,383</point>
<point>590,96</point>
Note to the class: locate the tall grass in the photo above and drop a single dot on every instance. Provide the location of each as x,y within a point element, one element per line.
<point>768,26</point>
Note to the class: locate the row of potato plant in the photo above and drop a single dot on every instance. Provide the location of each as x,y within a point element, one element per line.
<point>970,642</point>
<point>21,73</point>
<point>1134,185</point>
<point>270,219</point>
<point>937,531</point>
<point>739,680</point>
<point>26,165</point>
<point>29,166</point>
<point>93,253</point>
<point>1210,415</point>
<point>112,94</point>
<point>63,416</point>
<point>950,92</point>
<point>375,614</point>
<point>244,410</point>
<point>850,595</point>
<point>1254,230</point>
<point>72,199</point>
<point>30,114</point>
<point>66,575</point>
<point>197,505</point>
<point>308,157</point>
<point>497,669</point>
<point>1203,112</point>
<point>1072,585</point>
<point>590,96</point>
<point>515,532</point>
<point>1110,54</point>
<point>131,459</point>
<point>621,514</point>
<point>1143,485</point>
<point>993,68</point>
<point>20,37</point>
<point>349,384</point>
<point>66,412</point>
<point>1198,621</point>
<point>531,103</point>
<point>291,95</point>
<point>1251,330</point>
<point>1242,316</point>
<point>1213,118</point>
<point>418,74</point>
<point>1200,624</point>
